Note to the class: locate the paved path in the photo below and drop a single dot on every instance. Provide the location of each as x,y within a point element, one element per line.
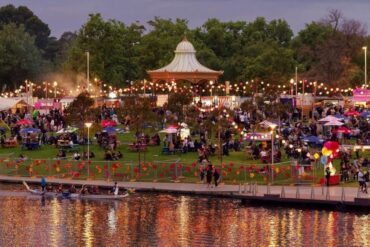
<point>335,193</point>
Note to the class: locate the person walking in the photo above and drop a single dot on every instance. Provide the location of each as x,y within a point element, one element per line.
<point>43,184</point>
<point>202,174</point>
<point>209,175</point>
<point>361,180</point>
<point>366,181</point>
<point>216,176</point>
<point>327,176</point>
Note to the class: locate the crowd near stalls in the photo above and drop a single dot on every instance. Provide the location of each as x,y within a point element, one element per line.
<point>215,130</point>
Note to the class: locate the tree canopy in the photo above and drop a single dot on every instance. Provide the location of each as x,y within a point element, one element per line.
<point>326,50</point>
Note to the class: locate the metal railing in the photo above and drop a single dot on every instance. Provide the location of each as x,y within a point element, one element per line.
<point>285,173</point>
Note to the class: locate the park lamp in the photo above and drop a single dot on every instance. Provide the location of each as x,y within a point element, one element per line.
<point>88,124</point>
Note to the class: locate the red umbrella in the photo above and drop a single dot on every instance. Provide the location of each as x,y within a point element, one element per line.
<point>343,129</point>
<point>107,123</point>
<point>352,113</point>
<point>24,122</point>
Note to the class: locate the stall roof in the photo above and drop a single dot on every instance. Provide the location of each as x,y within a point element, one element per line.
<point>8,103</point>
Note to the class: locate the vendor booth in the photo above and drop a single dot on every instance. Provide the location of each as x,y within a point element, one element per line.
<point>45,105</point>
<point>360,97</point>
<point>13,104</point>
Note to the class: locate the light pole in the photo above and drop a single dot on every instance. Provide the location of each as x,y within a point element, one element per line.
<point>365,49</point>
<point>314,98</point>
<point>211,83</point>
<point>88,70</point>
<point>144,82</point>
<point>46,89</point>
<point>291,87</point>
<point>302,98</point>
<point>272,151</point>
<point>55,84</point>
<point>88,125</point>
<point>296,81</point>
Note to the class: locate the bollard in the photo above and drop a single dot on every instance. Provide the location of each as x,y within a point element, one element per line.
<point>282,194</point>
<point>268,189</point>
<point>322,190</point>
<point>358,193</point>
<point>256,188</point>
<point>327,193</point>
<point>245,188</point>
<point>312,192</point>
<point>343,197</point>
<point>240,188</point>
<point>297,195</point>
<point>250,188</point>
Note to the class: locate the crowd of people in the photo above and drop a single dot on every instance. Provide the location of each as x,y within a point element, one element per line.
<point>214,134</point>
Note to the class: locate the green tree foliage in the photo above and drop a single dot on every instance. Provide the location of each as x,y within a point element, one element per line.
<point>327,50</point>
<point>24,16</point>
<point>139,111</point>
<point>111,44</point>
<point>257,50</point>
<point>19,57</point>
<point>177,102</point>
<point>81,105</point>
<point>157,46</point>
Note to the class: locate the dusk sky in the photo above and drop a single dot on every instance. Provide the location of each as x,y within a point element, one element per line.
<point>69,15</point>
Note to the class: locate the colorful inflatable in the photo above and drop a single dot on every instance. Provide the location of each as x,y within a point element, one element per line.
<point>329,152</point>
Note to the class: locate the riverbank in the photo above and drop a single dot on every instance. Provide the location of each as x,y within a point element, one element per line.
<point>334,198</point>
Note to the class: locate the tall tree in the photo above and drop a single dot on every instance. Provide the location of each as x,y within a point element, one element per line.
<point>19,57</point>
<point>326,49</point>
<point>24,16</point>
<point>111,45</point>
<point>79,111</point>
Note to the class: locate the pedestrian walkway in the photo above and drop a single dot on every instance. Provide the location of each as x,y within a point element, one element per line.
<point>292,194</point>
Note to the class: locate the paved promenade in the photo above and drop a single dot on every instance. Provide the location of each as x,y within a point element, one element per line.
<point>249,192</point>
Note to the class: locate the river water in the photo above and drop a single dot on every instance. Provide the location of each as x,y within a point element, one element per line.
<point>144,219</point>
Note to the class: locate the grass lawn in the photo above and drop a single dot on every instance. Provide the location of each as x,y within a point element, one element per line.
<point>154,166</point>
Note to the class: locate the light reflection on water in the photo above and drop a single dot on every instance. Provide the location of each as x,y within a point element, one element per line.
<point>166,220</point>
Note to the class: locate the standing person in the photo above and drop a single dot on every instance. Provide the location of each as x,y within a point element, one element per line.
<point>202,173</point>
<point>115,189</point>
<point>216,176</point>
<point>327,176</point>
<point>361,180</point>
<point>366,180</point>
<point>209,175</point>
<point>43,184</point>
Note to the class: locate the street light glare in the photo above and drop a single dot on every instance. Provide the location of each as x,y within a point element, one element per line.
<point>364,47</point>
<point>88,124</point>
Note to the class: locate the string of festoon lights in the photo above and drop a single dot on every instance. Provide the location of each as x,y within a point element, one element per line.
<point>248,88</point>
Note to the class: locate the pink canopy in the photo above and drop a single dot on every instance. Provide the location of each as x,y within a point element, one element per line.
<point>352,113</point>
<point>107,123</point>
<point>24,122</point>
<point>343,129</point>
